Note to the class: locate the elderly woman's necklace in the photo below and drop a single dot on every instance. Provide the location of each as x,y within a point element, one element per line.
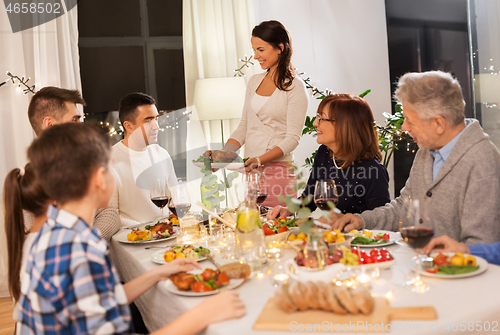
<point>334,162</point>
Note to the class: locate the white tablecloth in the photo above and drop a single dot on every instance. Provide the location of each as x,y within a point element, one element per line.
<point>475,299</point>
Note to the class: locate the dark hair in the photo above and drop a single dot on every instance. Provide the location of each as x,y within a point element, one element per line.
<point>65,157</point>
<point>127,109</point>
<point>20,192</point>
<point>50,101</point>
<point>274,33</point>
<point>355,129</point>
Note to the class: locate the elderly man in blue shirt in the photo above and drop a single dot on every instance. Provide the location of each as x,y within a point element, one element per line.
<point>456,169</point>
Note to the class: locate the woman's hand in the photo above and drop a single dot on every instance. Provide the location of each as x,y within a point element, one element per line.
<point>445,244</point>
<point>252,164</point>
<point>278,212</point>
<point>175,266</point>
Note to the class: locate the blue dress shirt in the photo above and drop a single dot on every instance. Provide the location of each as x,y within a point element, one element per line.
<point>442,154</point>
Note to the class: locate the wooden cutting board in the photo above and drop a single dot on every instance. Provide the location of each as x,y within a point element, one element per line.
<point>274,319</point>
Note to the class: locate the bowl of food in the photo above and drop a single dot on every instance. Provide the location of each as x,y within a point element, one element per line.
<point>277,230</point>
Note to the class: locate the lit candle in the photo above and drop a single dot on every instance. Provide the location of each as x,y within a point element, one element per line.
<point>274,253</point>
<point>280,278</point>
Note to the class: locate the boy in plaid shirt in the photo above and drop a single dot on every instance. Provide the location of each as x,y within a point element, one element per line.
<point>70,285</point>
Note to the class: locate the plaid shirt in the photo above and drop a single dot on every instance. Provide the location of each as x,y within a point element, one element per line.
<point>70,285</point>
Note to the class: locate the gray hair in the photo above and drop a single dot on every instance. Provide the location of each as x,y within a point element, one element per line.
<point>432,93</point>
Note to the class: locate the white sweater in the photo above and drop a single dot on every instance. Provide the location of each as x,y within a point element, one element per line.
<point>132,190</point>
<point>278,123</point>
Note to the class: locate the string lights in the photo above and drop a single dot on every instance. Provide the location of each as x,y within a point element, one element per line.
<point>247,60</point>
<point>19,82</point>
<point>314,89</point>
<point>163,123</point>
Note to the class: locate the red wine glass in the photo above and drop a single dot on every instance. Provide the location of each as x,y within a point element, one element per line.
<point>159,195</point>
<point>257,187</point>
<point>417,229</point>
<point>325,192</point>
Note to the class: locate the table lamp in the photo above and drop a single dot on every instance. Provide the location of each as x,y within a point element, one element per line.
<point>219,99</point>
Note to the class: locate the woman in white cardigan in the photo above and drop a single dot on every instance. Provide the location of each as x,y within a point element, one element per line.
<point>274,113</point>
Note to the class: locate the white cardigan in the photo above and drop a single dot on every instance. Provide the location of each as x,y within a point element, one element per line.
<point>278,123</point>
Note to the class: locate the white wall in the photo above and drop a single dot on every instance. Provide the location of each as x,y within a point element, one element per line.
<point>341,45</point>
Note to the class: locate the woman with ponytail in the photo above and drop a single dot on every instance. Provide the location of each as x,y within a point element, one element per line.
<point>274,111</point>
<point>21,192</point>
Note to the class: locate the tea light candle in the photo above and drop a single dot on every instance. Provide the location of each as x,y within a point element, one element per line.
<point>363,278</point>
<point>274,253</point>
<point>279,279</point>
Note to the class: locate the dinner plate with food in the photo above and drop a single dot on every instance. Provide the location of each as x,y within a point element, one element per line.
<point>221,159</point>
<point>180,251</point>
<point>335,239</point>
<point>451,265</point>
<point>199,283</point>
<point>373,238</point>
<point>147,233</point>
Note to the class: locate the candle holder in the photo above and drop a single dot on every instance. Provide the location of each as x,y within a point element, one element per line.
<point>274,250</point>
<point>279,275</point>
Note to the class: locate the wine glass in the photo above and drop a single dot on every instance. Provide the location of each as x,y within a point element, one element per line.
<point>159,195</point>
<point>417,229</point>
<point>257,187</point>
<point>180,203</point>
<point>324,192</point>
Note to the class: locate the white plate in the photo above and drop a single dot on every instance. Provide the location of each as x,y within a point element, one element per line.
<point>121,236</point>
<point>233,283</point>
<point>227,166</point>
<point>157,257</point>
<point>391,241</point>
<point>483,266</point>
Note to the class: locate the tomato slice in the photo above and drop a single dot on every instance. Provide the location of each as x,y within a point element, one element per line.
<point>268,231</point>
<point>222,280</point>
<point>386,236</point>
<point>208,273</point>
<point>432,270</point>
<point>201,286</point>
<point>282,229</point>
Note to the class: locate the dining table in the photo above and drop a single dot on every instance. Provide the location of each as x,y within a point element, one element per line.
<point>463,305</point>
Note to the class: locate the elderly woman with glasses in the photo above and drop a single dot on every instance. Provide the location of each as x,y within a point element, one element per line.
<point>349,155</point>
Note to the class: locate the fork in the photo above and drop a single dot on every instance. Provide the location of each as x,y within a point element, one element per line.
<point>207,255</point>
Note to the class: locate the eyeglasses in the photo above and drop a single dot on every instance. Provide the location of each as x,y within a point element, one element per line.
<point>322,119</point>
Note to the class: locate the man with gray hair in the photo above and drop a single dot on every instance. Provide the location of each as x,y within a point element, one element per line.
<point>456,170</point>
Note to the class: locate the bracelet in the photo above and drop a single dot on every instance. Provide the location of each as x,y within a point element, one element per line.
<point>259,164</point>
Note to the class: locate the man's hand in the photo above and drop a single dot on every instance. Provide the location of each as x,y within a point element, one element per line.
<point>348,222</point>
<point>175,266</point>
<point>445,244</point>
<point>278,212</point>
<point>333,216</point>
